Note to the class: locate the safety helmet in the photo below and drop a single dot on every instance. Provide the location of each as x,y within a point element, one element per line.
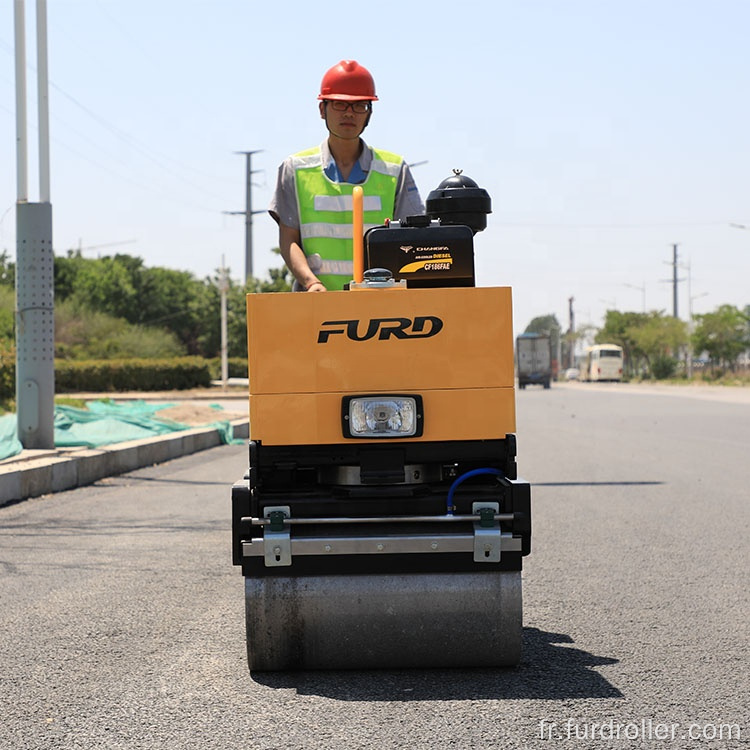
<point>348,81</point>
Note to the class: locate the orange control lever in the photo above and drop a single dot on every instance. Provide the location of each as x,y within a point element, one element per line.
<point>358,231</point>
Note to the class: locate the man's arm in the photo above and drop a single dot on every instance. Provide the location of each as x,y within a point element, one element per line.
<point>290,246</point>
<point>283,210</point>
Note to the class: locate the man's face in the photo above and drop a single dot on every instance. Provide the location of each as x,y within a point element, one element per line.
<point>345,120</point>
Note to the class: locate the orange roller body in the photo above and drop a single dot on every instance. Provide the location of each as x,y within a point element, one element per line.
<point>453,346</point>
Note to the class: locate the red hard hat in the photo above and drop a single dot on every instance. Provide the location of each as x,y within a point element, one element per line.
<point>348,81</point>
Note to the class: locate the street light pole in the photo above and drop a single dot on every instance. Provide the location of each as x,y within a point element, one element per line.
<point>35,259</point>
<point>689,364</point>
<point>641,289</point>
<point>674,279</point>
<point>571,331</point>
<point>223,289</point>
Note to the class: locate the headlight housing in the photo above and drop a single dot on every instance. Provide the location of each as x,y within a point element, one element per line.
<point>382,416</point>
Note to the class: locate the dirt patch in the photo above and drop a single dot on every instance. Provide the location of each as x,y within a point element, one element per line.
<point>196,415</point>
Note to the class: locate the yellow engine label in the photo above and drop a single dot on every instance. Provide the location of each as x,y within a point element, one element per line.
<point>435,262</point>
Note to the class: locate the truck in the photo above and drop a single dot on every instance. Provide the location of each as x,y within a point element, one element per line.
<point>533,360</point>
<point>381,522</point>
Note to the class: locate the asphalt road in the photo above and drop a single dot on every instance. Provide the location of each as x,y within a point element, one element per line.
<point>122,617</point>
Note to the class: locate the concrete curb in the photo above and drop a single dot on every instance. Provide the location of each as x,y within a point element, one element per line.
<point>44,472</point>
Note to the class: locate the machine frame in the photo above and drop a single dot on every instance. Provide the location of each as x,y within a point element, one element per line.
<point>397,549</point>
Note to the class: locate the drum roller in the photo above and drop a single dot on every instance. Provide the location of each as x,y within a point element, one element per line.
<point>384,621</point>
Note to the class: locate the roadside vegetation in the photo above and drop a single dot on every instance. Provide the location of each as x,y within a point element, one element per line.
<point>116,308</point>
<point>657,346</point>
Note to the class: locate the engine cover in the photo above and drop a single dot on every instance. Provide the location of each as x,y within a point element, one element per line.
<point>426,256</point>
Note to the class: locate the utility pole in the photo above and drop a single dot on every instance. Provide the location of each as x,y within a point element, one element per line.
<point>675,280</point>
<point>248,212</point>
<point>35,259</point>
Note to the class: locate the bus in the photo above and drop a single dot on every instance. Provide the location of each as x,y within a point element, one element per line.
<point>601,362</point>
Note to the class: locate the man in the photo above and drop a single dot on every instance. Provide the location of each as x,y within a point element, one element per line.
<point>312,203</point>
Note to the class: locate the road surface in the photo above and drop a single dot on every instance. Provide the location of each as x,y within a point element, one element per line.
<point>123,617</point>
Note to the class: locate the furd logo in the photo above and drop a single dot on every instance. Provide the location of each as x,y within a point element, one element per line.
<point>421,327</point>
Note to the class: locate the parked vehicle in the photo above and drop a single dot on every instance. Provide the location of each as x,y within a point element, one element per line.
<point>533,360</point>
<point>602,362</point>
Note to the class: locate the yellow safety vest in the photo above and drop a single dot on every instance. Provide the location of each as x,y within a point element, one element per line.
<point>325,211</point>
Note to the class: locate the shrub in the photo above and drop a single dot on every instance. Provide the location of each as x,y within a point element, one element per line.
<point>236,367</point>
<point>663,367</point>
<point>85,334</point>
<point>131,375</point>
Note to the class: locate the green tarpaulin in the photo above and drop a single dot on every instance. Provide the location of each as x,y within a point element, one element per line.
<point>106,423</point>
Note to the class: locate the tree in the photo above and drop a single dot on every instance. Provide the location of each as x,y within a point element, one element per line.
<point>124,292</point>
<point>177,301</point>
<point>210,336</point>
<point>548,325</point>
<point>65,273</point>
<point>121,286</point>
<point>724,334</point>
<point>82,333</point>
<point>280,280</point>
<point>660,337</point>
<point>106,285</point>
<point>619,328</point>
<point>7,271</point>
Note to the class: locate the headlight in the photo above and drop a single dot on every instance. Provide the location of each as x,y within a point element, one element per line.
<point>382,416</point>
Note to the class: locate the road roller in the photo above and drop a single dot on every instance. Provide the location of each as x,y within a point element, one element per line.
<point>381,522</point>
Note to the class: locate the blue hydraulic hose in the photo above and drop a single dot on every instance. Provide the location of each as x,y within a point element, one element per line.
<point>462,478</point>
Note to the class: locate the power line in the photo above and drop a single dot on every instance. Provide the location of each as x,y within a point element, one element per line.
<point>157,158</point>
<point>653,225</point>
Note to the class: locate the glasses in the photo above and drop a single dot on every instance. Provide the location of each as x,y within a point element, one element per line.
<point>361,108</point>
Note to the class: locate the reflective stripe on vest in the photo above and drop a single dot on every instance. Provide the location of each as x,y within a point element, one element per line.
<point>319,266</point>
<point>344,203</point>
<point>325,209</point>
